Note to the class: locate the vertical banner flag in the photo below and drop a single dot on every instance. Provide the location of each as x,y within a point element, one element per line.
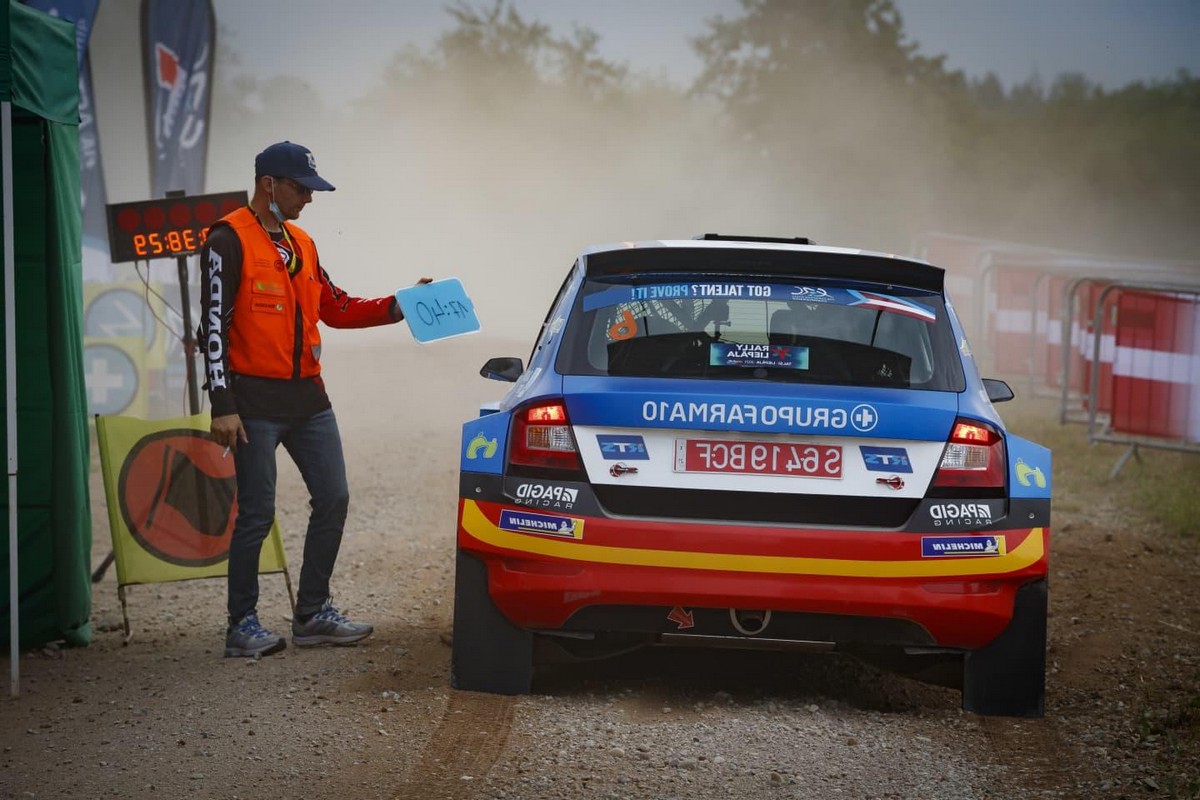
<point>172,500</point>
<point>96,264</point>
<point>178,41</point>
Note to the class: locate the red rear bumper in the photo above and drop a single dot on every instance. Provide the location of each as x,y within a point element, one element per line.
<point>540,581</point>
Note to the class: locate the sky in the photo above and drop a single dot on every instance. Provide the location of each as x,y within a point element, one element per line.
<point>670,175</point>
<point>1112,42</point>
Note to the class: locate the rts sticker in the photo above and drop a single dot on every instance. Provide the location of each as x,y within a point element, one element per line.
<point>544,524</point>
<point>941,546</point>
<point>617,448</point>
<point>885,459</point>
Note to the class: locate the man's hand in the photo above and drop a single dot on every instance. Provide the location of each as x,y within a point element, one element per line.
<point>396,313</point>
<point>228,431</point>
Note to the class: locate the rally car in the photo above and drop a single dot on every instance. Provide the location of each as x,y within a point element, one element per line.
<point>748,441</point>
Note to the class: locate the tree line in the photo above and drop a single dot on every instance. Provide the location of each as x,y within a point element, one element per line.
<point>817,117</point>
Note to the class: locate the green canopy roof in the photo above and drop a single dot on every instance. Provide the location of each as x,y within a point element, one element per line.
<point>33,61</point>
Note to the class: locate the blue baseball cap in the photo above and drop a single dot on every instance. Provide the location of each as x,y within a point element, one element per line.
<point>290,160</point>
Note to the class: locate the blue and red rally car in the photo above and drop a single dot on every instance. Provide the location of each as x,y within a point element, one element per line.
<point>758,442</point>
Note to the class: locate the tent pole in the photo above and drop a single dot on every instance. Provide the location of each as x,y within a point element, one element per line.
<point>10,372</point>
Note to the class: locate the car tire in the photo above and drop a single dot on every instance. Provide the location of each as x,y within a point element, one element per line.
<point>489,653</point>
<point>1008,677</point>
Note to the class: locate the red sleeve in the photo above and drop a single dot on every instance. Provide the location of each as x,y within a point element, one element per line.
<point>340,310</point>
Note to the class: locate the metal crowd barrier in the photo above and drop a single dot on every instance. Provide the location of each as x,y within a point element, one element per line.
<point>1163,417</point>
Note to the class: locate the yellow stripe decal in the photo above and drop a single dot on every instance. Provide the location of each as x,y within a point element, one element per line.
<point>1028,552</point>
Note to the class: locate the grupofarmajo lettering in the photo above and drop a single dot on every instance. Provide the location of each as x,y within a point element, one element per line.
<point>744,414</point>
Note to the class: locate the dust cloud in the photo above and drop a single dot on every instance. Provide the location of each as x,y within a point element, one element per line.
<point>505,192</point>
<point>501,180</point>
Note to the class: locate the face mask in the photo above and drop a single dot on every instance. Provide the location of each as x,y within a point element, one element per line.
<point>273,208</point>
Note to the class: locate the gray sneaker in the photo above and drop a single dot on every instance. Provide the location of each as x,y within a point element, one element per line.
<point>329,626</point>
<point>248,638</point>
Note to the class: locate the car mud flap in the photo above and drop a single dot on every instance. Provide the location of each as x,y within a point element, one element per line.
<point>1008,677</point>
<point>489,653</point>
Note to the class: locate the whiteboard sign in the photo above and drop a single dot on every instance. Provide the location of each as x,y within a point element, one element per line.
<point>437,310</point>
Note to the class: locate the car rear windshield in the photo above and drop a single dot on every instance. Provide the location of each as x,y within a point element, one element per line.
<point>731,328</point>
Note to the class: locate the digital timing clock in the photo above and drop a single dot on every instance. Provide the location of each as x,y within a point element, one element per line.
<point>172,226</point>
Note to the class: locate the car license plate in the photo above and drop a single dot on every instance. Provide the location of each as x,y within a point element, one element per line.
<point>758,458</point>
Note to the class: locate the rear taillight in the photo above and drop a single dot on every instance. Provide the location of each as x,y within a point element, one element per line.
<point>541,437</point>
<point>974,456</point>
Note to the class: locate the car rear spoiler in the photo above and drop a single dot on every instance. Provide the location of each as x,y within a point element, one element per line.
<point>817,263</point>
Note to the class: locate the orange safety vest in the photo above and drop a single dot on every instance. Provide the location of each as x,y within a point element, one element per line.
<point>274,329</point>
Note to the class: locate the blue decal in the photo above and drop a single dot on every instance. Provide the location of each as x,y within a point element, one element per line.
<point>545,524</point>
<point>941,546</point>
<point>179,51</point>
<point>727,354</point>
<point>767,407</point>
<point>483,444</point>
<point>616,448</point>
<point>885,459</point>
<point>793,293</point>
<point>1029,468</point>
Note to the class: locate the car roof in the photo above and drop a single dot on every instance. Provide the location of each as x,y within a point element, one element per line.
<point>760,258</point>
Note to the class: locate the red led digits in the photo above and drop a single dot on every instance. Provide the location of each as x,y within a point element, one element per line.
<point>174,226</point>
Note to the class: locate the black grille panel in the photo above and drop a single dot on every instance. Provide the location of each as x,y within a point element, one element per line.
<point>790,509</point>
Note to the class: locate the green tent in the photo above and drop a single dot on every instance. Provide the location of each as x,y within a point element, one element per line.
<point>48,458</point>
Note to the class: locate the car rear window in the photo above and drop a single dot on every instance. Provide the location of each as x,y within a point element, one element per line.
<point>729,328</point>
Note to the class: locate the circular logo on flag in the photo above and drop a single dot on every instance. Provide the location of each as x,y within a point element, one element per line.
<point>111,378</point>
<point>177,492</point>
<point>118,312</point>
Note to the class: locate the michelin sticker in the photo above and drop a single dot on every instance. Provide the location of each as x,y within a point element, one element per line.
<point>943,546</point>
<point>543,524</point>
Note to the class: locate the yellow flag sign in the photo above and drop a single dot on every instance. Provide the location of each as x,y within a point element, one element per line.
<point>172,500</point>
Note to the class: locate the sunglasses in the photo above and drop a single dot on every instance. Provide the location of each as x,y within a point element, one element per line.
<point>297,187</point>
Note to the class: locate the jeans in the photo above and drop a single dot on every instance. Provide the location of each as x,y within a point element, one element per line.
<point>316,447</point>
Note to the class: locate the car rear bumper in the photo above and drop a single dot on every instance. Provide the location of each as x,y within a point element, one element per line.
<point>836,585</point>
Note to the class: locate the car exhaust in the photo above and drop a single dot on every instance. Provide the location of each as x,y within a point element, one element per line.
<point>749,623</point>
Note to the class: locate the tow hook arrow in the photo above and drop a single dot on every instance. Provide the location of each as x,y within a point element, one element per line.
<point>896,482</point>
<point>620,468</point>
<point>683,619</point>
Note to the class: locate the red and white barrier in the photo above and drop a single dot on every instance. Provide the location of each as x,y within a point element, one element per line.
<point>1156,366</point>
<point>1048,324</point>
<point>1093,358</point>
<point>1118,340</point>
<point>1013,328</point>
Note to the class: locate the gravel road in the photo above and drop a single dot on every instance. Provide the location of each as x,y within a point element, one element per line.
<point>166,716</point>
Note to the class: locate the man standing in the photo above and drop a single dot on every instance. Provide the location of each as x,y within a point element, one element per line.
<point>264,291</point>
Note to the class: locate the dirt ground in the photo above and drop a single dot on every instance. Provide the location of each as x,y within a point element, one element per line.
<point>167,716</point>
